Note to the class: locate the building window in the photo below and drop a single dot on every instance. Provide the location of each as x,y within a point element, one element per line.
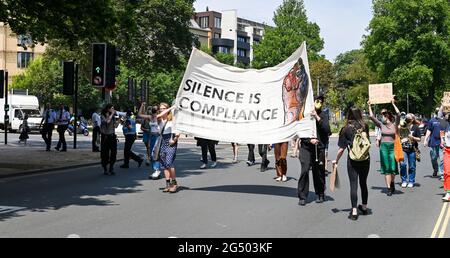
<point>224,50</point>
<point>257,32</point>
<point>217,35</point>
<point>242,39</point>
<point>217,22</point>
<point>204,22</point>
<point>241,27</point>
<point>241,52</point>
<point>23,59</point>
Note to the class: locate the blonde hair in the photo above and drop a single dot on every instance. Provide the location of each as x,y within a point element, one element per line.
<point>169,116</point>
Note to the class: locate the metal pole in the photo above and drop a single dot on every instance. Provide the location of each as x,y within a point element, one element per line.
<point>318,87</point>
<point>75,107</point>
<point>6,108</point>
<point>407,103</point>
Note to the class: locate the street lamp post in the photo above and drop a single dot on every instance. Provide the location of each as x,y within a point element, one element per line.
<point>318,86</point>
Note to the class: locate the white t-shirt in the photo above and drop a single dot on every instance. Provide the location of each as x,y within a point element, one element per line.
<point>168,129</point>
<point>154,127</point>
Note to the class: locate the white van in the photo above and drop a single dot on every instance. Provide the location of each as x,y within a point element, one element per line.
<point>19,105</point>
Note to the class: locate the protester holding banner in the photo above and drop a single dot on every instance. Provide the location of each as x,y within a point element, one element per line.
<point>168,147</point>
<point>235,147</point>
<point>262,149</point>
<point>206,145</point>
<point>251,155</point>
<point>388,125</point>
<point>359,166</point>
<point>312,154</point>
<point>280,151</point>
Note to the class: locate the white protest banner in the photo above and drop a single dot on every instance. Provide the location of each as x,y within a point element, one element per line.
<point>380,93</point>
<point>225,103</point>
<point>446,101</point>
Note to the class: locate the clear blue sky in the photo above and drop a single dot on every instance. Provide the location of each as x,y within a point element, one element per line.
<point>342,22</point>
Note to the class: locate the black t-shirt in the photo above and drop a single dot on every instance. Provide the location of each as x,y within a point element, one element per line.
<point>347,135</point>
<point>408,145</point>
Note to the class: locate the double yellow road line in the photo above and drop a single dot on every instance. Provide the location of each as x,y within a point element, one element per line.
<point>444,217</point>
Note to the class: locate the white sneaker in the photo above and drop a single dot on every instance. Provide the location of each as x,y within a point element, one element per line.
<point>214,164</point>
<point>156,174</point>
<point>410,185</point>
<point>441,178</point>
<point>278,178</point>
<point>446,198</point>
<point>404,184</point>
<point>235,160</point>
<point>284,178</point>
<point>203,166</point>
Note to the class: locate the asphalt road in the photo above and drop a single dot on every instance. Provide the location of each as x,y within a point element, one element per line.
<point>232,200</point>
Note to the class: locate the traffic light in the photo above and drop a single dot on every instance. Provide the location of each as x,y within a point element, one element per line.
<point>112,66</point>
<point>98,64</point>
<point>68,78</point>
<point>2,83</point>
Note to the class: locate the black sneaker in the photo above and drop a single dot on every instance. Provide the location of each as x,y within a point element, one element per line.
<point>302,202</point>
<point>435,174</point>
<point>392,187</point>
<point>389,192</point>
<point>363,211</point>
<point>111,172</point>
<point>56,148</point>
<point>263,168</point>
<point>140,163</point>
<point>352,217</point>
<point>125,166</point>
<point>320,198</point>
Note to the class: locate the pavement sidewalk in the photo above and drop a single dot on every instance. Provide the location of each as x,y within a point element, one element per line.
<point>23,160</point>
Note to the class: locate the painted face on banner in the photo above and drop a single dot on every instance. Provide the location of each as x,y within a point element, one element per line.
<point>295,91</point>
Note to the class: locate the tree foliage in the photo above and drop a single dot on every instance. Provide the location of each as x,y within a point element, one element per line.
<point>408,44</point>
<point>291,29</point>
<point>322,69</point>
<point>67,21</point>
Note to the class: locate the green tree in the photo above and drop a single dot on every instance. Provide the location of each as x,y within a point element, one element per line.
<point>291,29</point>
<point>352,77</point>
<point>154,35</point>
<point>322,69</point>
<point>43,78</point>
<point>408,44</point>
<point>225,58</point>
<point>67,21</point>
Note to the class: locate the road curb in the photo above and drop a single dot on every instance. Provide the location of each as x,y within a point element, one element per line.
<point>38,171</point>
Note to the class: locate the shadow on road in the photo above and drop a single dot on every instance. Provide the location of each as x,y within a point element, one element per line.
<point>55,191</point>
<point>384,189</point>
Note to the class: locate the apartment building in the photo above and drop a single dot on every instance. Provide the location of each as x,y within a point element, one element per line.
<point>201,34</point>
<point>231,34</point>
<point>13,56</point>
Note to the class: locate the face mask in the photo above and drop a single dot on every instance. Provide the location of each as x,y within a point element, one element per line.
<point>318,105</point>
<point>383,120</point>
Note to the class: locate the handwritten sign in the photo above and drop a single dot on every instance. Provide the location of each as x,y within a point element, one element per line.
<point>446,101</point>
<point>380,93</point>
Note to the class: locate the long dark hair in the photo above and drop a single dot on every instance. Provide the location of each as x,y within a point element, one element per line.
<point>355,118</point>
<point>389,114</point>
<point>106,108</point>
